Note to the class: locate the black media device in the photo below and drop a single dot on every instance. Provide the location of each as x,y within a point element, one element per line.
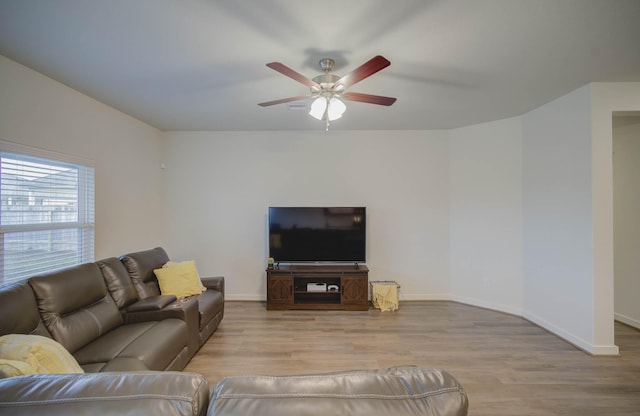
<point>317,234</point>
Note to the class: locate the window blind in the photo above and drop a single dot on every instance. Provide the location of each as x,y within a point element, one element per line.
<point>46,215</point>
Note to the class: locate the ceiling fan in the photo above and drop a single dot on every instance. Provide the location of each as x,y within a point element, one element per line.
<point>329,89</point>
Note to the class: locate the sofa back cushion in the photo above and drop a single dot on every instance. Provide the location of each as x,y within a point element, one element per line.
<point>398,391</point>
<point>19,310</point>
<point>118,282</point>
<point>75,305</point>
<point>140,266</point>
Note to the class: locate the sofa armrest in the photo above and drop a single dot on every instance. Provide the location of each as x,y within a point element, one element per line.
<point>185,309</point>
<point>215,283</point>
<point>126,393</point>
<point>152,303</point>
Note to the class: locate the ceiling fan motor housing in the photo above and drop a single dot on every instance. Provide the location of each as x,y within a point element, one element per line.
<point>326,82</point>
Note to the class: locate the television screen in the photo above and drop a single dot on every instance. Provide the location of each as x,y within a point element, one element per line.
<point>317,234</point>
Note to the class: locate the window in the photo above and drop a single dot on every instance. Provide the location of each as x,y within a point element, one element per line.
<point>46,213</point>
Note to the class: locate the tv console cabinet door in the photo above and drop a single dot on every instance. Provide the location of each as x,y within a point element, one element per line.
<point>279,289</point>
<point>355,292</point>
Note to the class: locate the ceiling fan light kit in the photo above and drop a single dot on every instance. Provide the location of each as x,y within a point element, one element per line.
<point>328,90</point>
<point>331,108</point>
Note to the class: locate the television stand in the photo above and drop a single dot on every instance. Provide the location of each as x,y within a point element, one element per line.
<point>318,287</point>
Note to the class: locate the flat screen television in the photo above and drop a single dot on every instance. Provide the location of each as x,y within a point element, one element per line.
<point>317,234</point>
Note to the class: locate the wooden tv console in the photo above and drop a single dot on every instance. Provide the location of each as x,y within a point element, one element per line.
<point>347,287</point>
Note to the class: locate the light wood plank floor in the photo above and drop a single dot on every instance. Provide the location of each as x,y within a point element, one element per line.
<point>507,365</point>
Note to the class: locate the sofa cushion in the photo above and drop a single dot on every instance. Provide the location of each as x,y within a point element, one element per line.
<point>118,282</point>
<point>140,266</point>
<point>18,302</point>
<point>42,354</point>
<point>122,364</point>
<point>75,305</point>
<point>156,344</point>
<point>179,279</point>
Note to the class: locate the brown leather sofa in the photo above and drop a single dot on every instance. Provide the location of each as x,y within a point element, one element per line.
<point>74,308</point>
<point>94,311</point>
<point>400,391</point>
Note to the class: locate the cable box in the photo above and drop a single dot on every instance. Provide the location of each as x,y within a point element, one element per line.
<point>316,287</point>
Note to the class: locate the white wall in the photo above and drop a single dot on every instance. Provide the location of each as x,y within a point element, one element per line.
<point>39,112</point>
<point>626,202</point>
<point>558,232</point>
<point>486,215</point>
<point>568,213</point>
<point>221,184</point>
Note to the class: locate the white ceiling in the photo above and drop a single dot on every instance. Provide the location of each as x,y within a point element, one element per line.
<point>200,65</point>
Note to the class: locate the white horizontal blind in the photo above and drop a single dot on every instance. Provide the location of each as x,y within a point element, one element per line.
<point>46,215</point>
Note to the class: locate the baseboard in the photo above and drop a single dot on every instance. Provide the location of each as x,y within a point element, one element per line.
<point>487,305</point>
<point>571,338</point>
<point>245,297</point>
<point>423,296</point>
<point>401,297</point>
<point>627,320</point>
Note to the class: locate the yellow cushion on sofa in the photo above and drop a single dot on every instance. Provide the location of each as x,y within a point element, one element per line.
<point>43,354</point>
<point>12,368</point>
<point>180,279</point>
<point>191,264</point>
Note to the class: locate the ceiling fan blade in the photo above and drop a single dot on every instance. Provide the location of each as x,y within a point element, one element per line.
<point>285,70</point>
<point>367,69</point>
<point>284,100</point>
<point>368,98</point>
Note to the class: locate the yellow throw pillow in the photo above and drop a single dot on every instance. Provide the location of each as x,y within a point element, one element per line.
<point>44,355</point>
<point>180,279</point>
<point>12,368</point>
<point>191,264</point>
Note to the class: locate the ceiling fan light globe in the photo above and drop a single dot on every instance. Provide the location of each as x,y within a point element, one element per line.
<point>336,109</point>
<point>318,107</point>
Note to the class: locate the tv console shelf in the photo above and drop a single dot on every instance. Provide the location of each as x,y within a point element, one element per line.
<point>345,287</point>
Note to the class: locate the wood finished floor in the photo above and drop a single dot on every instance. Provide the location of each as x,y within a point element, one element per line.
<point>507,365</point>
